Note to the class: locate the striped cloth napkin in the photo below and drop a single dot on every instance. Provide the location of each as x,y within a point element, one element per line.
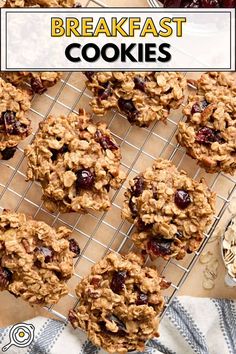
<point>191,325</point>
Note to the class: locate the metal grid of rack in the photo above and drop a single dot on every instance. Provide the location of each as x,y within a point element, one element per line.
<point>99,233</point>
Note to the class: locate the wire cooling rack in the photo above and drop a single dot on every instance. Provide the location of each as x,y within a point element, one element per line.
<point>99,233</point>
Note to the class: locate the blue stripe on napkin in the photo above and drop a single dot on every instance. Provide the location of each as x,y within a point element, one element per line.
<point>47,337</point>
<point>227,318</point>
<point>187,327</point>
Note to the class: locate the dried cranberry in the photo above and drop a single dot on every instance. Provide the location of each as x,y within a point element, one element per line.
<point>103,328</point>
<point>143,254</point>
<point>12,125</point>
<point>142,299</point>
<point>142,226</point>
<point>139,83</point>
<point>105,141</point>
<point>207,135</point>
<point>85,179</point>
<point>199,107</point>
<point>59,275</point>
<point>204,104</point>
<point>122,331</point>
<point>159,246</point>
<point>74,247</point>
<point>104,93</point>
<point>89,74</point>
<point>37,86</point>
<point>64,149</point>
<point>118,281</point>
<point>95,282</point>
<point>8,153</point>
<point>5,277</point>
<point>196,108</point>
<point>8,118</point>
<point>37,263</point>
<point>107,187</point>
<point>47,253</point>
<point>138,187</point>
<point>172,3</point>
<point>155,194</point>
<point>128,107</point>
<point>182,199</point>
<point>56,152</point>
<point>133,208</point>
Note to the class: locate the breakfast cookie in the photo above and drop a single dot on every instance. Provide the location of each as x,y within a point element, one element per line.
<point>14,126</point>
<point>142,96</point>
<point>38,81</point>
<point>40,3</point>
<point>216,82</point>
<point>36,260</point>
<point>76,161</point>
<point>119,303</point>
<point>209,132</point>
<point>170,210</point>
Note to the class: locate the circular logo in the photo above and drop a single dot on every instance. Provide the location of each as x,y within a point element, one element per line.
<point>21,335</point>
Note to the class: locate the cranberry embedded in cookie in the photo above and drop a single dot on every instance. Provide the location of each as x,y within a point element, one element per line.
<point>143,97</point>
<point>169,209</point>
<point>119,303</point>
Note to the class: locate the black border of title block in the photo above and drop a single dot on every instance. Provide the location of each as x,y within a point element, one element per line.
<point>116,9</point>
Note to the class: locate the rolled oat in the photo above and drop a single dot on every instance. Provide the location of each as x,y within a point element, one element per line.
<point>119,303</point>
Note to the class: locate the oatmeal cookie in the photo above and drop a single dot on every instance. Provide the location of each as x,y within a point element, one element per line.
<point>199,3</point>
<point>14,125</point>
<point>40,3</point>
<point>216,81</point>
<point>209,132</point>
<point>142,96</point>
<point>170,210</point>
<point>38,81</point>
<point>76,162</point>
<point>119,303</point>
<point>36,260</point>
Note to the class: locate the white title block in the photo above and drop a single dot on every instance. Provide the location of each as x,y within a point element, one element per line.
<point>38,39</point>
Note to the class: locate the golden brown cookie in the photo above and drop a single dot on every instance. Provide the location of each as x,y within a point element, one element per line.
<point>36,260</point>
<point>76,162</point>
<point>209,132</point>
